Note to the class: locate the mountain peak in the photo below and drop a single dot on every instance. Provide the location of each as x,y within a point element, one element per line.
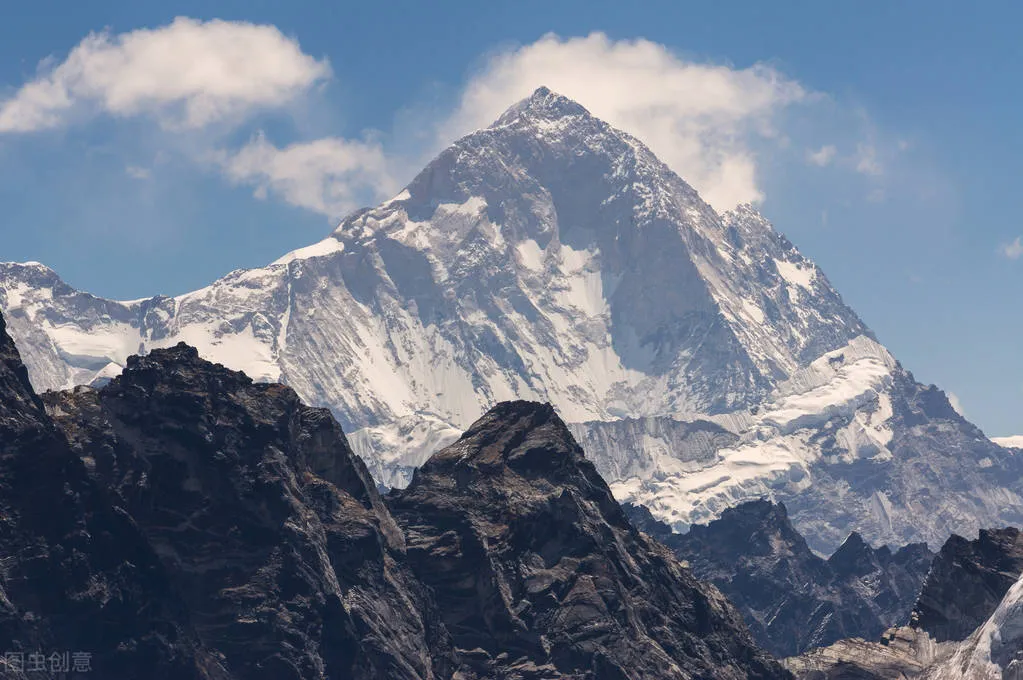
<point>524,435</point>
<point>513,529</point>
<point>543,104</point>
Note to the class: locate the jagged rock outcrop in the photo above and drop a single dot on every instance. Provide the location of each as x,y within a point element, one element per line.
<point>967,581</point>
<point>792,599</point>
<point>902,653</point>
<point>185,522</point>
<point>77,576</point>
<point>966,624</point>
<point>277,541</point>
<point>540,574</point>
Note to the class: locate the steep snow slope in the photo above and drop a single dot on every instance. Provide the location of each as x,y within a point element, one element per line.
<point>552,257</point>
<point>548,256</point>
<point>850,443</point>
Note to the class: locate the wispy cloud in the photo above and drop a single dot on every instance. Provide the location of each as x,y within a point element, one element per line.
<point>138,172</point>
<point>1012,250</point>
<point>953,399</point>
<point>188,74</point>
<point>714,124</point>
<point>867,161</point>
<point>698,117</point>
<point>822,156</point>
<point>327,175</point>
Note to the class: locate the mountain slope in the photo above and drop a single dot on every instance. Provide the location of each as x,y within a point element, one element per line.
<point>541,573</point>
<point>611,288</point>
<point>185,522</point>
<point>967,581</point>
<point>280,547</point>
<point>792,599</point>
<point>77,574</point>
<point>967,622</point>
<point>552,257</point>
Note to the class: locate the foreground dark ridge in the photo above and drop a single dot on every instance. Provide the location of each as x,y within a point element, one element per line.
<point>522,541</point>
<point>184,522</point>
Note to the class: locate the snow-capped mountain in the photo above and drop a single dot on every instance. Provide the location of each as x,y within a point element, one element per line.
<point>702,359</point>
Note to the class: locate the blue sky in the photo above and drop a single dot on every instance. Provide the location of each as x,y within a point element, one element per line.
<point>882,138</point>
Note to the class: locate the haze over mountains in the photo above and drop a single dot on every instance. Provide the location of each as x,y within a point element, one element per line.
<point>699,358</point>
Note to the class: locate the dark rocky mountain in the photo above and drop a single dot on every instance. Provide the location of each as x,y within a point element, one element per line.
<point>77,574</point>
<point>540,572</point>
<point>967,582</point>
<point>185,522</point>
<point>276,538</point>
<point>792,599</point>
<point>967,622</point>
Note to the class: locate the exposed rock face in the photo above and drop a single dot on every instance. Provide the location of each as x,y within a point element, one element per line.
<point>967,623</point>
<point>77,574</point>
<point>542,576</point>
<point>967,581</point>
<point>903,653</point>
<point>185,522</point>
<point>278,542</point>
<point>792,599</point>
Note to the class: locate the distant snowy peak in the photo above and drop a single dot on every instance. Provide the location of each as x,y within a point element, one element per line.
<point>551,200</point>
<point>551,257</point>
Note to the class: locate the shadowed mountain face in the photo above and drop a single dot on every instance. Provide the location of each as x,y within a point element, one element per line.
<point>967,581</point>
<point>792,599</point>
<point>185,522</point>
<point>966,624</point>
<point>275,536</point>
<point>541,573</point>
<point>78,575</point>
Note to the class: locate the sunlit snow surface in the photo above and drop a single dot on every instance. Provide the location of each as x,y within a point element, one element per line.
<point>700,357</point>
<point>773,447</point>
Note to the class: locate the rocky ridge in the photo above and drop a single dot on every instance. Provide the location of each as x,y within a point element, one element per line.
<point>511,523</point>
<point>966,623</point>
<point>552,257</point>
<point>792,599</point>
<point>184,521</point>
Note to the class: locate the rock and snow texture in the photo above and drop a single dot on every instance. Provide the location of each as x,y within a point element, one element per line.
<point>552,257</point>
<point>995,650</point>
<point>967,623</point>
<point>548,256</point>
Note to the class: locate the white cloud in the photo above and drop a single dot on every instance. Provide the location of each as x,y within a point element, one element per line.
<point>698,118</point>
<point>138,172</point>
<point>710,123</point>
<point>189,74</point>
<point>822,156</point>
<point>956,404</point>
<point>329,176</point>
<point>1012,250</point>
<point>867,161</point>
<point>877,195</point>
